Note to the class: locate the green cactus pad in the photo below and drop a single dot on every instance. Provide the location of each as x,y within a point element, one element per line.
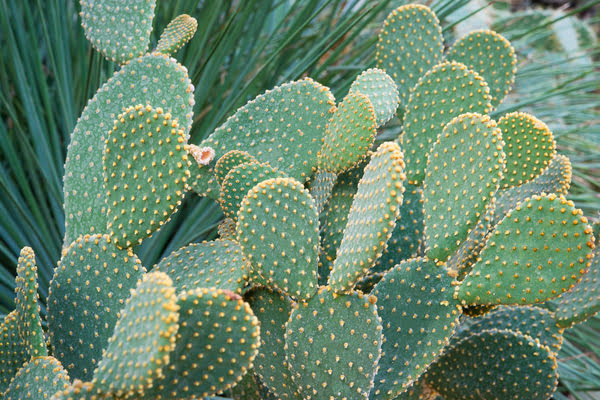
<point>372,217</point>
<point>529,147</point>
<point>538,251</point>
<point>230,160</point>
<point>247,389</point>
<point>177,34</point>
<point>219,264</point>
<point>14,351</point>
<point>381,91</point>
<point>143,338</point>
<point>538,323</point>
<point>320,189</point>
<point>483,367</point>
<point>217,341</point>
<point>39,379</point>
<point>491,56</point>
<point>120,31</point>
<point>80,391</point>
<point>153,79</point>
<point>89,288</point>
<point>446,91</point>
<point>145,173</point>
<point>278,230</point>
<point>350,134</point>
<point>333,343</point>
<point>273,310</point>
<point>28,308</point>
<point>415,301</point>
<point>368,282</point>
<point>284,127</point>
<point>407,238</point>
<point>409,45</point>
<point>556,178</point>
<point>463,173</point>
<point>227,229</point>
<point>335,217</point>
<point>240,180</point>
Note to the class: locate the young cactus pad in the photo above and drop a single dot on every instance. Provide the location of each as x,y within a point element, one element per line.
<point>39,379</point>
<point>89,288</point>
<point>463,174</point>
<point>176,34</point>
<point>153,79</point>
<point>333,343</point>
<point>145,173</point>
<point>372,217</point>
<point>14,351</point>
<point>143,338</point>
<point>381,91</point>
<point>278,229</point>
<point>538,251</point>
<point>230,160</point>
<point>123,41</point>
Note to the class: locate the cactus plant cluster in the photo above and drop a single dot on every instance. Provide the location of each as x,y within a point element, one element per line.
<point>446,262</point>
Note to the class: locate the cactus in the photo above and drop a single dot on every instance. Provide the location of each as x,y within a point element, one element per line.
<point>348,265</point>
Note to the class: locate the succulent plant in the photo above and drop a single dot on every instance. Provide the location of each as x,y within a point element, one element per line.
<point>446,262</point>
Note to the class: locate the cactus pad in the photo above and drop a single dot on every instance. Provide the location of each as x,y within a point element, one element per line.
<point>217,341</point>
<point>529,147</point>
<point>145,173</point>
<point>14,351</point>
<point>350,134</point>
<point>89,288</point>
<point>120,31</point>
<point>409,45</point>
<point>230,160</point>
<point>446,91</point>
<point>372,217</point>
<point>153,79</point>
<point>177,34</point>
<point>227,229</point>
<point>240,180</point>
<point>482,367</point>
<point>219,264</point>
<point>333,343</point>
<point>80,391</point>
<point>39,379</point>
<point>320,189</point>
<point>278,229</point>
<point>248,389</point>
<point>415,301</point>
<point>463,174</point>
<point>273,309</point>
<point>143,338</point>
<point>381,91</point>
<point>491,56</point>
<point>28,308</point>
<point>538,251</point>
<point>284,127</point>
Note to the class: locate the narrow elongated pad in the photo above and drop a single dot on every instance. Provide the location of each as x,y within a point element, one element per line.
<point>14,351</point>
<point>230,160</point>
<point>372,217</point>
<point>446,91</point>
<point>217,340</point>
<point>278,230</point>
<point>179,31</point>
<point>409,45</point>
<point>145,173</point>
<point>350,134</point>
<point>273,310</point>
<point>407,238</point>
<point>463,173</point>
<point>538,251</point>
<point>218,263</point>
<point>419,314</point>
<point>284,127</point>
<point>529,147</point>
<point>89,288</point>
<point>482,367</point>
<point>238,182</point>
<point>491,56</point>
<point>321,188</point>
<point>337,333</point>
<point>27,301</point>
<point>143,338</point>
<point>381,90</point>
<point>39,379</point>
<point>120,31</point>
<point>153,79</point>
